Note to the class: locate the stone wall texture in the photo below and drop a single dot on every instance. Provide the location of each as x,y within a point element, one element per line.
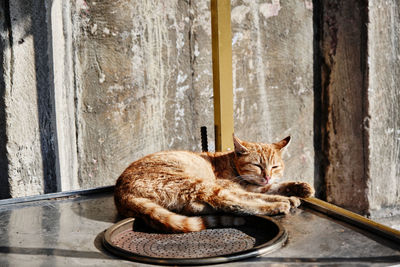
<point>134,84</point>
<point>384,107</point>
<point>273,78</point>
<point>144,80</point>
<point>27,100</point>
<point>88,86</point>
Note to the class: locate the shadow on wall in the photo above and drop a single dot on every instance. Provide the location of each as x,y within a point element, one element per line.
<point>4,185</point>
<point>319,115</point>
<point>26,19</point>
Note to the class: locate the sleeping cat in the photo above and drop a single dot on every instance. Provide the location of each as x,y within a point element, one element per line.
<point>166,188</point>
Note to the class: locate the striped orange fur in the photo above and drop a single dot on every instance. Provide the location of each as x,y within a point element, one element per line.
<point>181,191</point>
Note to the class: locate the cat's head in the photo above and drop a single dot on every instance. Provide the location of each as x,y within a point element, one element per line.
<point>259,163</point>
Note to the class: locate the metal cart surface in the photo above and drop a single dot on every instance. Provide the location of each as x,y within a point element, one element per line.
<point>66,229</point>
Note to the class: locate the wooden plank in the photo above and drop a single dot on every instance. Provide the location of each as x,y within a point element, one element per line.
<point>343,95</point>
<point>222,73</point>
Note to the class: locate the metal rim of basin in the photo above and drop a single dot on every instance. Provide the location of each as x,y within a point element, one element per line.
<point>267,247</point>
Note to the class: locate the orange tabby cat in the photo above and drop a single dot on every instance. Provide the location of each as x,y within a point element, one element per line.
<point>164,187</point>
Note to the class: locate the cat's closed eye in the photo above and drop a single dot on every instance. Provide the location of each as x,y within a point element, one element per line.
<point>258,165</point>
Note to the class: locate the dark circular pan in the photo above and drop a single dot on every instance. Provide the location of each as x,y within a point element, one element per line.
<point>131,240</point>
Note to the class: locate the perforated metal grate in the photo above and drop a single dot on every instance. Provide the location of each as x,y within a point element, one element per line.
<point>258,236</point>
<point>208,243</point>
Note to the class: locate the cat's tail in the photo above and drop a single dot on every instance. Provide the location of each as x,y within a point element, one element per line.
<point>161,218</point>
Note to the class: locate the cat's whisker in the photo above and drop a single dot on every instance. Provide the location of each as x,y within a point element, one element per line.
<point>249,177</point>
<point>239,179</point>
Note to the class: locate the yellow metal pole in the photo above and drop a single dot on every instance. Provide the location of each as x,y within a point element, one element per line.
<point>222,73</point>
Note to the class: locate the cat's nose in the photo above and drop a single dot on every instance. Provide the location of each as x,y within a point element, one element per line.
<point>267,178</point>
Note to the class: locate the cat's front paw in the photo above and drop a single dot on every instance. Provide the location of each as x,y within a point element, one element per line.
<point>294,202</point>
<point>299,189</point>
<point>282,207</point>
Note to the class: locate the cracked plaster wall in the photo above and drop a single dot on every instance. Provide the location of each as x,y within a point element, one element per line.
<point>144,80</point>
<point>128,78</point>
<point>384,104</point>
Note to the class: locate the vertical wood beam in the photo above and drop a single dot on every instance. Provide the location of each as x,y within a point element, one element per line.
<point>344,99</point>
<point>222,73</point>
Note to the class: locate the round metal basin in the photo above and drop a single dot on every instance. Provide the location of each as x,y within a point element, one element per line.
<point>132,240</point>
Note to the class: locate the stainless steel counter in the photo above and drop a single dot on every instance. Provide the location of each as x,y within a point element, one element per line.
<point>68,232</point>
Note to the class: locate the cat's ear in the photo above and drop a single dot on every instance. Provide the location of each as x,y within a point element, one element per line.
<point>283,144</point>
<point>240,149</point>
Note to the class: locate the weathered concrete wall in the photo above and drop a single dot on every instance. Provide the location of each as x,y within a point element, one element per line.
<point>132,77</point>
<point>144,80</point>
<point>28,100</point>
<point>384,107</point>
<point>201,63</point>
<point>59,18</point>
<point>134,84</point>
<point>273,78</point>
<point>145,84</point>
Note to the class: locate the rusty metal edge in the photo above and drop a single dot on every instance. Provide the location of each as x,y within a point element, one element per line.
<point>353,219</point>
<point>268,247</point>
